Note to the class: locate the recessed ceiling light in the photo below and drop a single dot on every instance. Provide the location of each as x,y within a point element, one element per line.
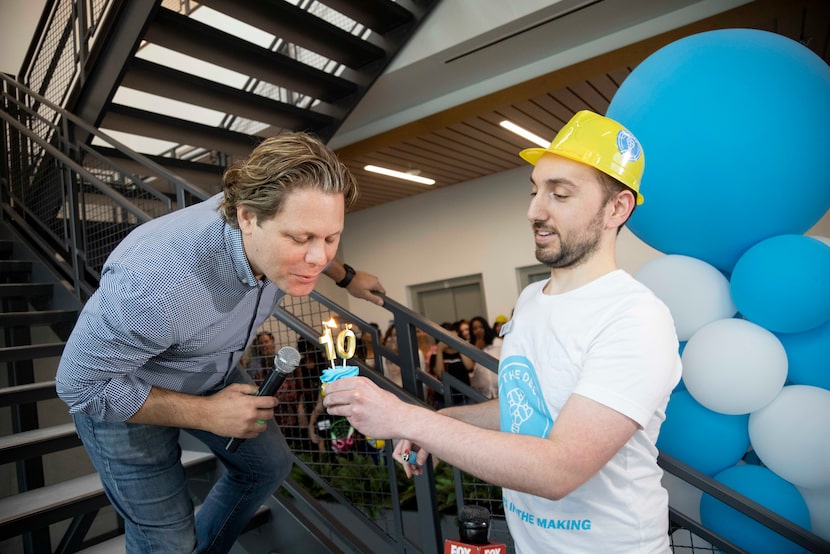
<point>411,176</point>
<point>522,132</point>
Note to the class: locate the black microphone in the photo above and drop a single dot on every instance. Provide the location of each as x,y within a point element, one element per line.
<point>473,530</point>
<point>474,524</point>
<point>285,362</point>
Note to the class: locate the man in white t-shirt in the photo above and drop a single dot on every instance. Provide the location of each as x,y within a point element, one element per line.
<point>587,365</point>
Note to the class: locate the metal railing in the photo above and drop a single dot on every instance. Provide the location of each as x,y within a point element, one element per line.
<point>57,57</point>
<point>403,514</point>
<point>74,201</point>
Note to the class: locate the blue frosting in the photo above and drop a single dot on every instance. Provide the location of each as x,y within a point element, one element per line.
<point>339,372</point>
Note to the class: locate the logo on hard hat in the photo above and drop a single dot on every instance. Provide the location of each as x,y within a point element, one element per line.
<point>628,146</point>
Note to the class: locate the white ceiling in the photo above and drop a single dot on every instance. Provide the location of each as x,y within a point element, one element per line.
<point>470,48</point>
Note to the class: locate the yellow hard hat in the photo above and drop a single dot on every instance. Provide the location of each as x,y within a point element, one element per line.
<point>600,142</point>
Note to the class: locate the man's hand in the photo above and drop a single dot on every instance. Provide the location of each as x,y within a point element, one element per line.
<point>364,285</point>
<point>376,413</point>
<point>237,412</point>
<point>411,457</point>
<point>370,409</point>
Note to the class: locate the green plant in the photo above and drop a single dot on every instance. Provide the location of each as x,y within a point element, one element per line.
<point>364,481</point>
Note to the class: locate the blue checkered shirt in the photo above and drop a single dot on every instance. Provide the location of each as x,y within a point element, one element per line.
<point>176,307</point>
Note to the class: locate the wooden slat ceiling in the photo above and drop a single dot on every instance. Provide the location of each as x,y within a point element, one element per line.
<point>466,142</point>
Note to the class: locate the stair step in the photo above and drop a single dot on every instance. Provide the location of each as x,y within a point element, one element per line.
<point>117,545</point>
<point>38,508</point>
<point>6,249</point>
<point>15,266</point>
<point>12,290</point>
<point>27,394</point>
<point>30,444</point>
<point>31,351</point>
<point>42,317</point>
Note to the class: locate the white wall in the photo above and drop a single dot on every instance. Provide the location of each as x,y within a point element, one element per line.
<point>18,19</point>
<point>475,227</point>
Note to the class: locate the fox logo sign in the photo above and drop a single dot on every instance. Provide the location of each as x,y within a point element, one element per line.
<point>456,547</point>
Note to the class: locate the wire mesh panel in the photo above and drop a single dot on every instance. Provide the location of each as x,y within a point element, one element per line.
<point>336,463</point>
<point>82,202</point>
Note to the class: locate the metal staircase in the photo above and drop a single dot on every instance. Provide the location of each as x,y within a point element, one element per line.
<point>296,65</point>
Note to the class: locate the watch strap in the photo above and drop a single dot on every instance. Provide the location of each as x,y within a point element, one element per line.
<point>350,273</point>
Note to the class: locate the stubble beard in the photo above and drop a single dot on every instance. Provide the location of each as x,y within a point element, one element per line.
<point>572,252</point>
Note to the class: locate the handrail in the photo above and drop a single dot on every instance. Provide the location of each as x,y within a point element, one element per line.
<point>92,179</point>
<point>747,506</point>
<point>51,172</point>
<point>123,148</point>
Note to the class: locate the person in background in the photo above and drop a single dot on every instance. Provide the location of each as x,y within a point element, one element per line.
<point>588,362</point>
<point>481,336</point>
<point>462,328</point>
<point>366,347</point>
<point>449,361</point>
<point>500,320</point>
<point>426,348</point>
<point>262,360</point>
<point>312,364</point>
<point>391,370</point>
<point>291,414</point>
<point>156,348</point>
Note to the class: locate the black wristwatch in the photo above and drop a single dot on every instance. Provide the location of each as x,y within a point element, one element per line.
<point>350,272</point>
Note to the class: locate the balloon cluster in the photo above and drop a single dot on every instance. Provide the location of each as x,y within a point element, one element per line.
<point>734,125</point>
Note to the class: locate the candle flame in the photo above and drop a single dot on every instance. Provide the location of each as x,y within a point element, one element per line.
<point>330,323</point>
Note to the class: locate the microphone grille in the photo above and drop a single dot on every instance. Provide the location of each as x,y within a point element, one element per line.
<point>287,359</point>
<point>473,515</point>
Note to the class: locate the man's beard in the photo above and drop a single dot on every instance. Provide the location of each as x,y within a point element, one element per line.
<point>574,252</point>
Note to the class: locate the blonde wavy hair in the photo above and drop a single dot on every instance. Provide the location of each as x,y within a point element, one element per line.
<point>279,166</point>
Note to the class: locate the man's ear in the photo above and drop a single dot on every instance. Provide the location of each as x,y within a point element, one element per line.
<point>621,208</point>
<point>246,218</point>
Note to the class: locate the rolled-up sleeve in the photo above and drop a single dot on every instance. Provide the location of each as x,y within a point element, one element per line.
<point>121,327</point>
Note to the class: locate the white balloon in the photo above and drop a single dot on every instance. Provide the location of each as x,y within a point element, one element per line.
<point>791,435</point>
<point>695,292</point>
<point>818,502</point>
<point>733,366</point>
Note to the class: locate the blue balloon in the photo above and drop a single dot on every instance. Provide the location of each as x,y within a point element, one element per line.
<point>807,356</point>
<point>706,440</point>
<point>781,284</point>
<point>733,125</point>
<point>766,488</point>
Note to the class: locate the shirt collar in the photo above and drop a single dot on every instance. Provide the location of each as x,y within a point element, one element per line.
<point>233,238</point>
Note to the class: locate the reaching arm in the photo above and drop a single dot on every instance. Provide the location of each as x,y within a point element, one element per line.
<point>232,412</point>
<point>584,438</point>
<point>361,285</point>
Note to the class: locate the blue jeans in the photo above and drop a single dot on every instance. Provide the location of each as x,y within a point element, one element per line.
<point>143,478</point>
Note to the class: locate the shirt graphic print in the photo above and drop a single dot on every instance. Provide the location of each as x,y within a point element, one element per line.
<point>522,406</point>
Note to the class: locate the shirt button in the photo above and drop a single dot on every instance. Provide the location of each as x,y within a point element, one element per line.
<point>245,281</point>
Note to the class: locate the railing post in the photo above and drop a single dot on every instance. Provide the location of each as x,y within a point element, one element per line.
<point>71,199</point>
<point>11,147</point>
<point>82,30</point>
<point>429,520</point>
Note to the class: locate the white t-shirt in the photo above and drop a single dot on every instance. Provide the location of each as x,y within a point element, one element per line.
<point>612,341</point>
